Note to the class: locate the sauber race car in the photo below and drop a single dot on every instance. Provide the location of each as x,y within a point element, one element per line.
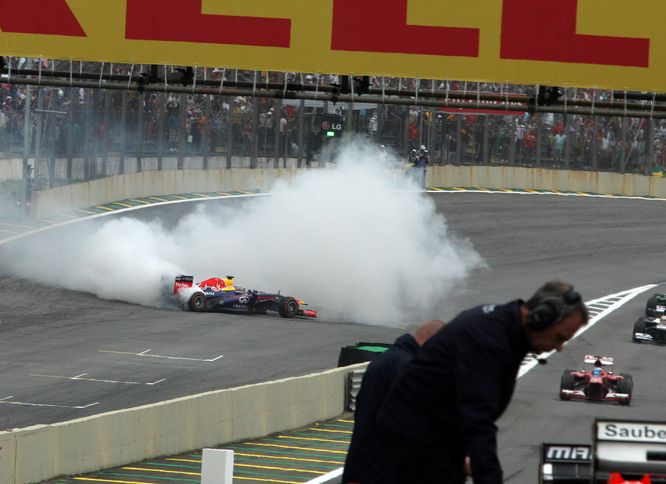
<point>596,381</point>
<point>220,294</point>
<point>572,464</point>
<point>655,306</point>
<point>651,330</point>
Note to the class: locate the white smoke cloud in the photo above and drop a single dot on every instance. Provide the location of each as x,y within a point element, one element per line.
<point>356,240</point>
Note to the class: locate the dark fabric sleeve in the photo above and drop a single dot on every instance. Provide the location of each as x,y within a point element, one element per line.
<point>479,382</point>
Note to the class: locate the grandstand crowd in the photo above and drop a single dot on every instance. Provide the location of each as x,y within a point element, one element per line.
<point>71,122</point>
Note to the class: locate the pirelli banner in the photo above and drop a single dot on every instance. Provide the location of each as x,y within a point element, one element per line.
<point>588,43</point>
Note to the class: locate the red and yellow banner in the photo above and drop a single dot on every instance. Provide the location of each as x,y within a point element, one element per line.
<point>587,43</point>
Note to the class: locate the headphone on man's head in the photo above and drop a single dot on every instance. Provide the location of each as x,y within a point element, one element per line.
<point>551,309</point>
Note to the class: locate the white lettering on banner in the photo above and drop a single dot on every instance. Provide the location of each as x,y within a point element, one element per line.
<point>627,432</point>
<point>562,452</point>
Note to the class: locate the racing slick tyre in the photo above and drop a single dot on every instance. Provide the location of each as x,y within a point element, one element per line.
<point>197,302</point>
<point>567,382</point>
<point>639,327</point>
<point>626,385</point>
<point>651,306</point>
<point>288,307</point>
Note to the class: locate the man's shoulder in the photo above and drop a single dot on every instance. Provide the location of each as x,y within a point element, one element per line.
<point>395,356</point>
<point>478,317</point>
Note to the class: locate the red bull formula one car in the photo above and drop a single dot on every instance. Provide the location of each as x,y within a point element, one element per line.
<point>221,294</point>
<point>596,381</point>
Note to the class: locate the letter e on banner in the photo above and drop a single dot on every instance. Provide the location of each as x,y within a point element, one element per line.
<point>381,26</point>
<point>545,30</point>
<point>48,17</point>
<point>183,21</point>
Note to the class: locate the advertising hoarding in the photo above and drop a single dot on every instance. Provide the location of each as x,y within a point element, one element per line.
<point>592,43</point>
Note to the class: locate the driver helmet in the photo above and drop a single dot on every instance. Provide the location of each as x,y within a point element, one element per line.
<point>423,148</point>
<point>596,371</point>
<point>228,282</point>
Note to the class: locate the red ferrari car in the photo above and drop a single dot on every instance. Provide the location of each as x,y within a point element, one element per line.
<point>597,381</point>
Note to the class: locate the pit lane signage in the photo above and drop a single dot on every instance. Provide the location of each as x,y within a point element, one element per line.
<point>611,44</point>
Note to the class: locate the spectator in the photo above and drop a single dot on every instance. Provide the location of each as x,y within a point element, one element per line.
<point>372,126</point>
<point>444,404</point>
<point>413,135</point>
<point>366,451</point>
<point>450,147</point>
<point>529,144</point>
<point>559,141</point>
<point>421,167</point>
<point>611,142</point>
<point>519,136</point>
<point>413,157</point>
<point>284,134</point>
<point>172,107</point>
<point>270,127</point>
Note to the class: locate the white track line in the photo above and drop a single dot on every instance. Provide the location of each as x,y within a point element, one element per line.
<point>82,377</point>
<point>326,477</point>
<point>78,407</point>
<point>145,354</point>
<point>599,309</point>
<point>120,210</point>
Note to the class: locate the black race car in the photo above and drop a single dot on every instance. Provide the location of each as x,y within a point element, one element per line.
<point>656,306</point>
<point>650,330</point>
<point>221,294</point>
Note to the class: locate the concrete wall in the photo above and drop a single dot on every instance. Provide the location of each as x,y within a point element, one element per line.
<point>11,169</point>
<point>107,440</point>
<point>148,183</point>
<point>542,179</point>
<point>116,188</point>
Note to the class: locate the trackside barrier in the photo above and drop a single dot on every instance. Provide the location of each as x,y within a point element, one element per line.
<point>147,183</point>
<point>11,169</point>
<point>209,419</point>
<point>544,179</point>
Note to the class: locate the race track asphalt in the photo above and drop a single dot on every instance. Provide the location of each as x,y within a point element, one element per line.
<point>603,246</point>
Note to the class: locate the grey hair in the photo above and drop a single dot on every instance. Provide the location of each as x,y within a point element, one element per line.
<point>555,291</point>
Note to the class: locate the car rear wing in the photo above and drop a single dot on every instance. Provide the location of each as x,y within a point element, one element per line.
<point>604,360</point>
<point>565,463</point>
<point>572,464</point>
<point>182,282</point>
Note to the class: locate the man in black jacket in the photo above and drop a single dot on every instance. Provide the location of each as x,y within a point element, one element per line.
<point>444,404</point>
<point>366,455</point>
